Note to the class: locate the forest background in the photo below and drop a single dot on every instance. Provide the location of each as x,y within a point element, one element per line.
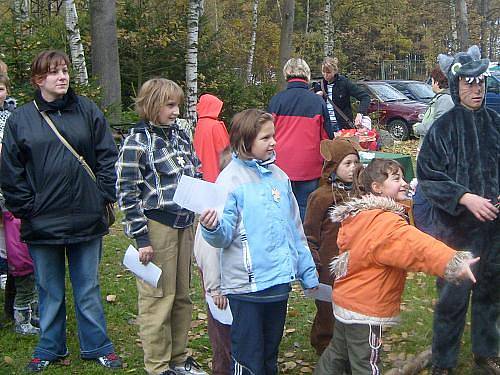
<point>239,45</point>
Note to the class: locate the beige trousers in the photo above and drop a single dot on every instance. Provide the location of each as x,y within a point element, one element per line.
<point>165,311</point>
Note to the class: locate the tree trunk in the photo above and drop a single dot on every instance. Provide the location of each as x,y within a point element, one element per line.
<point>453,20</point>
<point>327,30</point>
<point>484,6</point>
<point>75,42</point>
<point>105,59</point>
<point>251,53</point>
<point>307,16</point>
<point>194,12</point>
<point>21,11</point>
<point>462,25</point>
<point>286,37</point>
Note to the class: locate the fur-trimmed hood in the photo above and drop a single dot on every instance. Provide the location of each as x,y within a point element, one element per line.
<point>365,203</point>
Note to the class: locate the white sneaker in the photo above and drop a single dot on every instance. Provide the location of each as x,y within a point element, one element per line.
<point>190,366</point>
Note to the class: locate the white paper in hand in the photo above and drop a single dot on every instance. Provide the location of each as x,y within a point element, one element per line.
<point>323,293</point>
<point>150,272</point>
<point>197,195</point>
<point>223,316</point>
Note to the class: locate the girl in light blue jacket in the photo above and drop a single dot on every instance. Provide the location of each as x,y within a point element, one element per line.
<point>264,247</point>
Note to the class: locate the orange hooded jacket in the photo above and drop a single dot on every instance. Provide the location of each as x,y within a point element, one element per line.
<point>210,136</point>
<point>377,248</point>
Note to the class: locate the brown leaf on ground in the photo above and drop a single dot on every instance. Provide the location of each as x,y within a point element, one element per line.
<point>8,360</point>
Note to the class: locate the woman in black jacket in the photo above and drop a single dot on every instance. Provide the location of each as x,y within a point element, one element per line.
<point>61,206</point>
<point>339,89</point>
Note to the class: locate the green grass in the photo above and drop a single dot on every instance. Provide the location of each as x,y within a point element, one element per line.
<point>296,355</point>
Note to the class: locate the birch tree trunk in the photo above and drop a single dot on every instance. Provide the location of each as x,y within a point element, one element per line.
<point>75,42</point>
<point>286,38</point>
<point>21,11</point>
<point>105,59</point>
<point>484,6</point>
<point>453,20</point>
<point>194,12</point>
<point>327,30</point>
<point>251,53</point>
<point>462,25</point>
<point>307,16</point>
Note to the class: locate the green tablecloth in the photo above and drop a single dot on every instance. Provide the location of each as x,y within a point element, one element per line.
<point>404,160</point>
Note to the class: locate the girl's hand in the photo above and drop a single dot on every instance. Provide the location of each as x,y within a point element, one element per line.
<point>220,302</point>
<point>209,219</point>
<point>465,272</point>
<point>146,254</point>
<point>480,207</point>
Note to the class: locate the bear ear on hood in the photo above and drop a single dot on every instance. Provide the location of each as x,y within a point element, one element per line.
<point>445,62</point>
<point>325,149</point>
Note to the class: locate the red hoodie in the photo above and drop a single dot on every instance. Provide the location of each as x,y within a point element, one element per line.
<point>210,136</point>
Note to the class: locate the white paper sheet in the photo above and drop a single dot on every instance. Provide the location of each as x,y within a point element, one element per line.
<point>198,195</point>
<point>223,316</point>
<point>150,272</point>
<point>323,293</point>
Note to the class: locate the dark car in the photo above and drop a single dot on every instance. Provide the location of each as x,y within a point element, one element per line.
<point>493,91</point>
<point>415,90</point>
<point>395,111</point>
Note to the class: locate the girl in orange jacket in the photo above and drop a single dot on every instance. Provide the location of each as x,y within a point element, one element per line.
<point>377,247</point>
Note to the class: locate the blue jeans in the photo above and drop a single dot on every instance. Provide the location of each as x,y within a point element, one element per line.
<point>301,190</point>
<point>255,336</point>
<point>50,268</point>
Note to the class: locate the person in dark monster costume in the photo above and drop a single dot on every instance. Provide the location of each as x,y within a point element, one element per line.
<point>458,169</point>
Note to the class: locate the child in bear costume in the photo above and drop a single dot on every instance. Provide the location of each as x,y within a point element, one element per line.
<point>335,188</point>
<point>458,169</point>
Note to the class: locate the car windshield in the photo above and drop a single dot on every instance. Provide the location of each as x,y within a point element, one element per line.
<point>421,90</point>
<point>386,93</point>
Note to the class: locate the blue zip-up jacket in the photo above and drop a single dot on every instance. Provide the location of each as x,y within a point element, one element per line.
<point>260,231</point>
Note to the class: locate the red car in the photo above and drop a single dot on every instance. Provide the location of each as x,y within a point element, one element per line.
<point>395,111</point>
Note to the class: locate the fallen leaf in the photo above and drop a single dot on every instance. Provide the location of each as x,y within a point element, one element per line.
<point>8,360</point>
<point>289,354</point>
<point>111,298</point>
<point>306,370</point>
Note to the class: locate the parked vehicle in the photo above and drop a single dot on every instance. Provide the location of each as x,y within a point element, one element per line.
<point>415,90</point>
<point>493,91</point>
<point>396,112</point>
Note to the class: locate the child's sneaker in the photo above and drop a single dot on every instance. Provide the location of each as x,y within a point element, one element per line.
<point>190,366</point>
<point>37,365</point>
<point>22,319</point>
<point>487,365</point>
<point>111,361</point>
<point>3,280</point>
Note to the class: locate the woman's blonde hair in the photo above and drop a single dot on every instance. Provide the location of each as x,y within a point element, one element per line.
<point>244,129</point>
<point>331,64</point>
<point>296,68</point>
<point>154,94</point>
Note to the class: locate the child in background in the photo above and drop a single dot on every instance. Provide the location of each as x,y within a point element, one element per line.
<point>154,156</point>
<point>208,260</point>
<point>210,136</point>
<point>4,115</point>
<point>211,143</point>
<point>377,247</point>
<point>263,244</point>
<point>21,268</point>
<point>20,265</point>
<point>336,186</point>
